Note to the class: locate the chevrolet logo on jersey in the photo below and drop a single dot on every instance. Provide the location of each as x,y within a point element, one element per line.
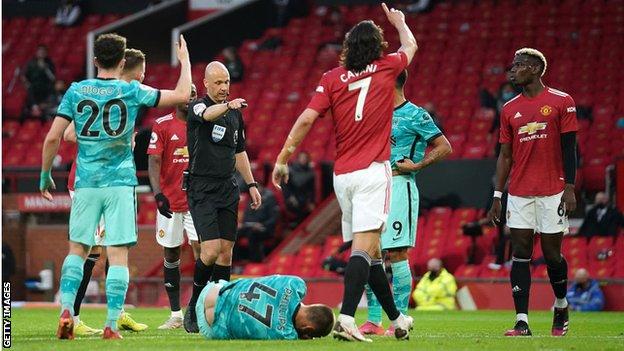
<point>532,128</point>
<point>181,151</point>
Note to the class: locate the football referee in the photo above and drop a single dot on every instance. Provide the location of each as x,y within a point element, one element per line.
<point>216,141</point>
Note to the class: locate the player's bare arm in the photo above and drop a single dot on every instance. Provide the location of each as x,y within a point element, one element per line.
<point>441,149</point>
<point>50,149</point>
<point>244,167</point>
<point>217,110</point>
<point>408,42</point>
<point>153,169</point>
<point>182,92</point>
<point>568,150</point>
<point>503,166</point>
<point>295,137</point>
<point>70,133</point>
<point>154,163</point>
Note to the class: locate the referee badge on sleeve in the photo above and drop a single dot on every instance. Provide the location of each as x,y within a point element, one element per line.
<point>199,109</point>
<point>218,132</point>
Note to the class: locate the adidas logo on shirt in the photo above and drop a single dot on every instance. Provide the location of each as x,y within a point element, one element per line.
<point>174,138</point>
<point>518,115</point>
<point>516,289</point>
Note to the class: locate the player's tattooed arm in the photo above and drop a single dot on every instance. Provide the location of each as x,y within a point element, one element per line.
<point>407,39</point>
<point>441,149</point>
<point>295,137</point>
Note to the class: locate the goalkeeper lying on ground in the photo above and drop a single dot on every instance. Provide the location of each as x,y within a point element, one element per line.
<point>261,308</point>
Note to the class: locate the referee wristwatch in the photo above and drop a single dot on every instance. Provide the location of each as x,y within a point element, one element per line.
<point>254,184</point>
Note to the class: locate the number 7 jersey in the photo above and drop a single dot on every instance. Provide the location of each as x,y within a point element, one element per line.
<point>104,112</point>
<point>361,105</point>
<point>261,308</point>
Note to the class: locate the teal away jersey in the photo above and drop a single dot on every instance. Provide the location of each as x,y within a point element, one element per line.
<point>261,308</point>
<point>412,129</point>
<point>104,112</point>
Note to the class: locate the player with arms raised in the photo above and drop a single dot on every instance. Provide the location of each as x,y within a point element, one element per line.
<point>134,69</point>
<point>538,154</point>
<point>360,94</point>
<point>104,111</point>
<point>266,308</point>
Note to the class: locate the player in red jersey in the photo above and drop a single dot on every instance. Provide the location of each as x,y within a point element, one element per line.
<point>538,143</point>
<point>360,95</point>
<point>134,69</point>
<point>168,158</point>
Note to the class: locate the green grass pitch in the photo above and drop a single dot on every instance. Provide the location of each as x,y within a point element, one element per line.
<point>33,330</point>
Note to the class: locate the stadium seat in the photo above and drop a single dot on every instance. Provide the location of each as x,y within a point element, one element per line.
<point>467,271</point>
<point>255,269</point>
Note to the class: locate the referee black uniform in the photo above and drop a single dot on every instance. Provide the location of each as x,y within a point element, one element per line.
<point>212,191</point>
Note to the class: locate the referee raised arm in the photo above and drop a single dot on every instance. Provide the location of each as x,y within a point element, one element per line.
<point>216,143</point>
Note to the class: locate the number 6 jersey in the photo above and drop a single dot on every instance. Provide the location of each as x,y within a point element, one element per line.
<point>262,308</point>
<point>104,112</point>
<point>361,105</point>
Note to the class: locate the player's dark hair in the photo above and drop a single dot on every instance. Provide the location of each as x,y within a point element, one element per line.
<point>322,319</point>
<point>109,49</point>
<point>401,79</point>
<point>134,58</point>
<point>363,44</point>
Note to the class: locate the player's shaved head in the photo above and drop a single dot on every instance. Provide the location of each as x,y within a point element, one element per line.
<point>314,321</point>
<point>217,81</point>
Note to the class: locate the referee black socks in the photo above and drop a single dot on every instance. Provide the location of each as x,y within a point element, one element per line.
<point>378,282</point>
<point>86,278</point>
<point>201,275</point>
<point>220,273</point>
<point>355,278</point>
<point>520,278</point>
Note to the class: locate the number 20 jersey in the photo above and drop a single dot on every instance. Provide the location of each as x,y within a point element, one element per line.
<point>361,106</point>
<point>261,308</point>
<point>104,112</point>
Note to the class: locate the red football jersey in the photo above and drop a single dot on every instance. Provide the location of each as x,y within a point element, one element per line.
<point>361,105</point>
<point>169,140</point>
<point>533,127</point>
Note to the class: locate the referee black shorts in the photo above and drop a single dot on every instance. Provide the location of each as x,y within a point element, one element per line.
<point>214,207</point>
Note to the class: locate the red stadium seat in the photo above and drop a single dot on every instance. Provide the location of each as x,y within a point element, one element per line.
<point>467,271</point>
<point>255,269</point>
